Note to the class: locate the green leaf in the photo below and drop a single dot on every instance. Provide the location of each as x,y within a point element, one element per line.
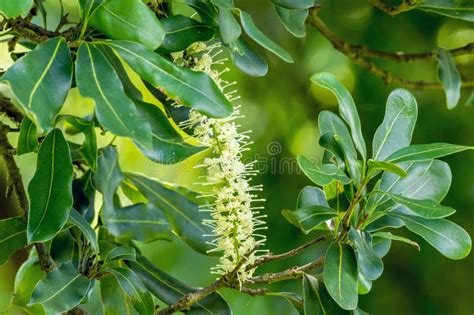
<point>419,152</point>
<point>169,290</point>
<point>309,218</point>
<point>247,60</point>
<point>294,299</point>
<point>114,109</point>
<point>322,174</point>
<point>340,275</point>
<point>131,284</point>
<point>141,222</point>
<point>450,78</point>
<point>62,289</point>
<point>364,284</point>
<point>121,252</point>
<point>293,20</point>
<point>312,300</point>
<point>425,208</point>
<point>50,189</point>
<point>12,237</point>
<point>42,90</point>
<point>88,149</point>
<point>168,146</point>
<point>128,20</point>
<point>27,276</point>
<point>370,265</point>
<point>336,137</point>
<point>84,195</point>
<point>182,212</point>
<point>253,32</point>
<point>390,236</point>
<point>294,4</point>
<point>381,245</point>
<point>108,177</point>
<point>387,167</point>
<point>311,196</point>
<point>15,8</point>
<point>452,8</point>
<point>113,299</point>
<point>78,220</point>
<point>397,127</point>
<point>88,7</point>
<point>347,107</point>
<point>447,237</point>
<point>229,28</point>
<point>193,89</point>
<point>181,31</point>
<point>28,138</point>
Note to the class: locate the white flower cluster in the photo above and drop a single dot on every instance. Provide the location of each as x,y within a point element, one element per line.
<point>234,218</point>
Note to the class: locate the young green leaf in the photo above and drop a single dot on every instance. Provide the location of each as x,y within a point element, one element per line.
<point>253,32</point>
<point>347,107</point>
<point>128,20</point>
<point>387,167</point>
<point>169,290</point>
<point>61,290</point>
<point>246,59</point>
<point>28,138</point>
<point>27,276</point>
<point>114,109</point>
<point>15,8</point>
<point>108,177</point>
<point>419,152</point>
<point>370,265</point>
<point>311,196</point>
<point>141,222</point>
<point>447,237</point>
<point>182,212</point>
<point>309,218</point>
<point>294,4</point>
<point>131,284</point>
<point>450,77</point>
<point>168,146</point>
<point>340,275</point>
<point>390,236</point>
<point>193,89</point>
<point>78,220</point>
<point>229,28</point>
<point>181,31</point>
<point>426,208</point>
<point>397,127</point>
<point>322,174</point>
<point>12,237</point>
<point>50,190</point>
<point>88,7</point>
<point>42,90</point>
<point>293,20</point>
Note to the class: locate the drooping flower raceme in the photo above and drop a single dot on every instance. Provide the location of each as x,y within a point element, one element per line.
<point>235,219</point>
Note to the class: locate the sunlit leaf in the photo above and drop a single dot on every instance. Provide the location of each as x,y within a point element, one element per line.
<point>229,28</point>
<point>390,236</point>
<point>387,167</point>
<point>419,152</point>
<point>28,138</point>
<point>42,90</point>
<point>128,20</point>
<point>309,218</point>
<point>397,127</point>
<point>322,174</point>
<point>425,208</point>
<point>15,8</point>
<point>78,220</point>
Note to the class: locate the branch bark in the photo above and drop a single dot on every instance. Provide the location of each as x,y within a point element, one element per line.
<point>359,53</point>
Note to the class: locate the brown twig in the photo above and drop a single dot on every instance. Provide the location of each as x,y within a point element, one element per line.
<point>291,253</point>
<point>359,53</point>
<point>406,5</point>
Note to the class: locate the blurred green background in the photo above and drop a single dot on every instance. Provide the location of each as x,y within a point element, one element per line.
<point>281,109</point>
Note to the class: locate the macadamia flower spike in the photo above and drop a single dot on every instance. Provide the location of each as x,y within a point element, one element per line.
<point>234,218</point>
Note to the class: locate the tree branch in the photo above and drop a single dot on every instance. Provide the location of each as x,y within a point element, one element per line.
<point>359,53</point>
<point>406,5</point>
